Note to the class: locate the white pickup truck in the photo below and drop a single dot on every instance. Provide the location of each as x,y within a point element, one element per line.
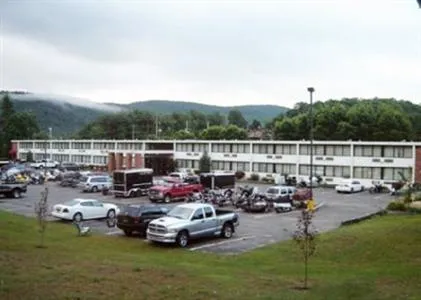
<point>192,221</point>
<point>45,163</point>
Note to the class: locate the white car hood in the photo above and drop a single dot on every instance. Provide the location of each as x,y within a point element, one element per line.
<point>169,221</point>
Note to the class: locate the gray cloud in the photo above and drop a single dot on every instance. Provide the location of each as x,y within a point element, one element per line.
<point>213,51</point>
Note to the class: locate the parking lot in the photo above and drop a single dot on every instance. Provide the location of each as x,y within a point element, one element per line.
<point>255,230</point>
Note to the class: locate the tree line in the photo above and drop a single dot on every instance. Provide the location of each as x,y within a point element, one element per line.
<point>188,125</point>
<point>347,119</point>
<point>351,119</point>
<point>16,125</point>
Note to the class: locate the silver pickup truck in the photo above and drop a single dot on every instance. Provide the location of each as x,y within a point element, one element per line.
<point>192,221</point>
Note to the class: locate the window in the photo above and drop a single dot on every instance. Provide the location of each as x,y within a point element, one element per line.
<point>399,152</point>
<point>87,203</point>
<point>208,212</point>
<point>319,150</point>
<point>61,157</point>
<point>26,145</point>
<point>198,214</point>
<point>285,168</point>
<point>304,150</point>
<point>97,204</point>
<point>330,150</point>
<point>99,160</point>
<point>341,150</point>
<point>262,168</point>
<point>367,173</point>
<point>395,173</point>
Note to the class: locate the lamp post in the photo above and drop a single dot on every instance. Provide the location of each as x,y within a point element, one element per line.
<point>47,142</point>
<point>311,91</point>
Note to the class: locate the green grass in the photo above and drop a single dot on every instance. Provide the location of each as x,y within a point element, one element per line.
<point>377,259</point>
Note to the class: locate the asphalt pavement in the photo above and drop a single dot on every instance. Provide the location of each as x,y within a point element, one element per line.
<point>255,230</point>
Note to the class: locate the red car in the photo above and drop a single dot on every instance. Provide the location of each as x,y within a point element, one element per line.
<point>169,190</point>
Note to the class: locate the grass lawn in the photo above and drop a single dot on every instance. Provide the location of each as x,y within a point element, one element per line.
<point>377,259</point>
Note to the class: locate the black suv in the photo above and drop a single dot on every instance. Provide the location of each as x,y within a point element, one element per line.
<point>135,218</point>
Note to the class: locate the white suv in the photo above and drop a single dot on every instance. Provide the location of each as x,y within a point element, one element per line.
<point>95,183</point>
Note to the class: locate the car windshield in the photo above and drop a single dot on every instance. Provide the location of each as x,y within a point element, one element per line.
<point>272,191</point>
<point>71,202</point>
<point>180,212</point>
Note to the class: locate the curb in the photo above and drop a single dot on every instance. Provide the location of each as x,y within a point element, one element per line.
<point>363,218</point>
<point>320,205</point>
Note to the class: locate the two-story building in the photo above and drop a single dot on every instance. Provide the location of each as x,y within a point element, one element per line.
<point>333,160</point>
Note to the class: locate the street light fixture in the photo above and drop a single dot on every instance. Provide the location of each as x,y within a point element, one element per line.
<point>311,91</point>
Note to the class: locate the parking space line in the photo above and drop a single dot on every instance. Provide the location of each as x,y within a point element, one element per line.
<point>246,237</point>
<point>114,232</point>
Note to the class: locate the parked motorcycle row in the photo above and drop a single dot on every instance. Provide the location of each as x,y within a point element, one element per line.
<point>249,199</point>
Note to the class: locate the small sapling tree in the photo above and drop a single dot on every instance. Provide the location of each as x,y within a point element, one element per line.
<point>205,163</point>
<point>41,210</point>
<point>305,237</point>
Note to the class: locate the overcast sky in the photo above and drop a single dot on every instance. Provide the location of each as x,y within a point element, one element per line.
<point>219,52</point>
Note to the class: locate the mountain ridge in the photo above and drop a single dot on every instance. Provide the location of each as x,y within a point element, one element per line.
<point>67,115</point>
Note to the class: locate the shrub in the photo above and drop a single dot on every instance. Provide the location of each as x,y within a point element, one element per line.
<point>268,180</point>
<point>414,210</point>
<point>396,206</point>
<point>407,198</point>
<point>254,177</point>
<point>240,175</point>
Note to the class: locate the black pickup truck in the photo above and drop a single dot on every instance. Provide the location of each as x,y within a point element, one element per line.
<point>13,190</point>
<point>135,218</point>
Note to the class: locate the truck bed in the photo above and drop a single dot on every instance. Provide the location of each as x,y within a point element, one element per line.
<point>221,212</point>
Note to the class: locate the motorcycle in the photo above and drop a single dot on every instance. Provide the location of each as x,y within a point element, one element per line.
<point>195,198</point>
<point>256,203</point>
<point>244,194</point>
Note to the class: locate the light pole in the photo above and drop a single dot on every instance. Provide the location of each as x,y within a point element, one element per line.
<point>311,91</point>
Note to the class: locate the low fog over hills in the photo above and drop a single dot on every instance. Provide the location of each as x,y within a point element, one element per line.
<point>68,114</point>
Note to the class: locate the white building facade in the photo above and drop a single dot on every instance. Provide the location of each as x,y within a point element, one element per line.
<point>333,160</point>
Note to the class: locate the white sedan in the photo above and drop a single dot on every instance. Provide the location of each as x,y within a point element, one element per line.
<point>349,186</point>
<point>84,209</point>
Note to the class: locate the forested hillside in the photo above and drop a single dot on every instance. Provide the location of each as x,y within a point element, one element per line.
<point>352,119</point>
<point>66,117</point>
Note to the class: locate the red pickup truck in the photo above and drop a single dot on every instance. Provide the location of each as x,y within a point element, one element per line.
<point>169,191</point>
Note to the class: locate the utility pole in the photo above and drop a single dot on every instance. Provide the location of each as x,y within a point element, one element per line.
<point>157,127</point>
<point>133,131</point>
<point>187,125</point>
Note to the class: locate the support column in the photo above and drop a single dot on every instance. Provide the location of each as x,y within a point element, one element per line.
<point>417,165</point>
<point>129,160</point>
<point>111,162</point>
<point>119,161</point>
<point>138,160</point>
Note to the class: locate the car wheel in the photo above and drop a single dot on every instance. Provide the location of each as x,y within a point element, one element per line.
<point>94,189</point>
<point>167,199</point>
<point>111,214</point>
<point>127,232</point>
<point>77,217</point>
<point>227,231</point>
<point>16,194</point>
<point>182,239</point>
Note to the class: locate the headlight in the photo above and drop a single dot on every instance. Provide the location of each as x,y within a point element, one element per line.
<point>171,230</point>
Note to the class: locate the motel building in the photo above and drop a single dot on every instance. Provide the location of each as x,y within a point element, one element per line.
<point>333,160</point>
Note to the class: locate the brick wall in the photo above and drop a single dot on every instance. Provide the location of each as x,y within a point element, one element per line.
<point>418,165</point>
